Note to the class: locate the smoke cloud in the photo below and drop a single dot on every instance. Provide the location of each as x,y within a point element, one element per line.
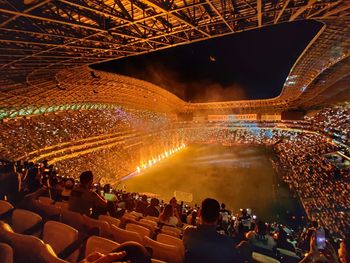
<point>204,90</point>
<point>213,92</point>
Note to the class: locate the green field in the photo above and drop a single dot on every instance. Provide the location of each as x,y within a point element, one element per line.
<point>239,176</point>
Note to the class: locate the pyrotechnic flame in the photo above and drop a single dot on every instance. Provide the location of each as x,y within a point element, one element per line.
<point>158,158</point>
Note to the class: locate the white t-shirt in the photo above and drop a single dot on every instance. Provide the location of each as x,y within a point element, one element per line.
<point>171,222</point>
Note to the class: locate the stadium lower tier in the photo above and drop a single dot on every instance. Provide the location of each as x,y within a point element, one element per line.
<point>127,146</point>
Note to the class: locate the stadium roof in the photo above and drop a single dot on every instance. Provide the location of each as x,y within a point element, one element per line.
<point>43,42</point>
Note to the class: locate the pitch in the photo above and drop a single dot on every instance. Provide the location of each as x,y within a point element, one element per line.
<point>239,176</point>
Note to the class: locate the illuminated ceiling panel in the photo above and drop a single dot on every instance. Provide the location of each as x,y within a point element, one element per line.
<point>39,38</point>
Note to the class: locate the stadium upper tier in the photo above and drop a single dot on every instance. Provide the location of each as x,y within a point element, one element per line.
<point>67,134</point>
<point>47,45</point>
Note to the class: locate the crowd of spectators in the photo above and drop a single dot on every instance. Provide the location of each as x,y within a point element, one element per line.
<point>209,231</point>
<point>110,164</point>
<point>40,131</point>
<point>333,121</point>
<point>320,185</point>
<point>323,195</point>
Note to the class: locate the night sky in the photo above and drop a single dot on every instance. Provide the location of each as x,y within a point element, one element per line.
<point>248,65</point>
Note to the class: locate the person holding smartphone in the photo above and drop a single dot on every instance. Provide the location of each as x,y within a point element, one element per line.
<point>321,250</point>
<point>108,193</point>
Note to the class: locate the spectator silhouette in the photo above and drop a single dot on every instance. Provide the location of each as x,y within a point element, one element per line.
<point>203,243</point>
<point>82,199</point>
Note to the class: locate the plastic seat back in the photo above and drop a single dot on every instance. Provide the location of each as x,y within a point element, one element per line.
<point>121,235</point>
<point>139,223</point>
<point>136,214</point>
<point>163,251</point>
<point>5,207</point>
<point>257,257</point>
<point>103,226</point>
<point>59,236</point>
<point>287,253</point>
<point>73,219</point>
<point>110,220</point>
<point>171,231</point>
<point>45,200</point>
<point>153,260</point>
<point>28,249</point>
<point>138,229</point>
<point>6,253</point>
<point>49,211</point>
<point>22,220</point>
<point>174,241</point>
<point>129,216</point>
<point>149,223</point>
<point>152,218</point>
<point>99,244</point>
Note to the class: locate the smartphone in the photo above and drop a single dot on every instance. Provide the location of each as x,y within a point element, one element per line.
<point>320,239</point>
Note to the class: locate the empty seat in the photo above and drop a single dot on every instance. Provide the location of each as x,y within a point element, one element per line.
<point>6,253</point>
<point>103,226</point>
<point>138,229</point>
<point>29,249</point>
<point>23,220</point>
<point>287,253</point>
<point>73,219</point>
<point>149,223</point>
<point>59,236</point>
<point>128,216</point>
<point>153,260</point>
<point>49,211</point>
<point>5,207</point>
<point>122,235</point>
<point>148,226</point>
<point>45,200</point>
<point>172,231</point>
<point>136,214</point>
<point>257,257</point>
<point>174,241</point>
<point>163,251</point>
<point>152,218</point>
<point>99,244</point>
<point>110,220</point>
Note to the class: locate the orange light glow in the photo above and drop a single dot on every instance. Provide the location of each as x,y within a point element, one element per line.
<point>154,160</point>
